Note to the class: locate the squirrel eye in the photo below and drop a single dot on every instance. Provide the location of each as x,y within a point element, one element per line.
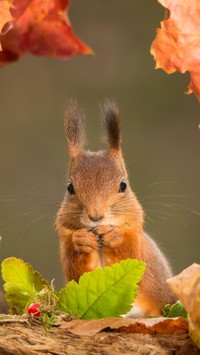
<point>122,186</point>
<point>70,188</point>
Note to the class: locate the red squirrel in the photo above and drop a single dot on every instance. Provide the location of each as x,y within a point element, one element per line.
<point>100,221</point>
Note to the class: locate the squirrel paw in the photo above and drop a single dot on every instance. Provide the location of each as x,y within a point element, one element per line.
<point>110,236</point>
<point>84,241</point>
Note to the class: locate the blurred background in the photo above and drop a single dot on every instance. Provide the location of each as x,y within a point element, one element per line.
<point>161,139</point>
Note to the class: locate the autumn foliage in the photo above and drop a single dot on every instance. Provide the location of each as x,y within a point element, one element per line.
<point>39,27</point>
<point>42,27</point>
<point>177,44</point>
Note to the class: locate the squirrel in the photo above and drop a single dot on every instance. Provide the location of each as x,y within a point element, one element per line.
<point>100,221</point>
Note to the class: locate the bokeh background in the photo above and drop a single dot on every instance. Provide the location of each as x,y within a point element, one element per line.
<point>161,139</point>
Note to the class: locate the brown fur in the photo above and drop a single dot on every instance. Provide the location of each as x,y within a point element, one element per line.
<point>111,122</point>
<point>74,129</point>
<point>98,225</point>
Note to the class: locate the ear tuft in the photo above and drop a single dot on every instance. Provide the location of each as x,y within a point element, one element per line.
<point>74,129</point>
<point>111,122</point>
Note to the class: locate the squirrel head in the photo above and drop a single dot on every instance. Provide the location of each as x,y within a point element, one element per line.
<point>98,190</point>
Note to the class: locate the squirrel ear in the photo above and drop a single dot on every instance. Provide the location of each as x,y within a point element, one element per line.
<point>74,129</point>
<point>111,122</point>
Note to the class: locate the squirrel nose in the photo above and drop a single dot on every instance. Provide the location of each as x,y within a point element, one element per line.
<point>96,219</point>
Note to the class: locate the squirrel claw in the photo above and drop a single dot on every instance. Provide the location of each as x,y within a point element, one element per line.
<point>100,242</point>
<point>100,231</point>
<point>112,240</point>
<point>84,241</point>
<point>108,236</point>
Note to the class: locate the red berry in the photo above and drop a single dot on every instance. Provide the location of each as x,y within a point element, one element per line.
<point>33,309</point>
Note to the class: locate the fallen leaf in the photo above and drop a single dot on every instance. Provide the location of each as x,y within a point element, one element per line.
<point>177,43</point>
<point>186,286</point>
<point>147,325</point>
<point>39,27</point>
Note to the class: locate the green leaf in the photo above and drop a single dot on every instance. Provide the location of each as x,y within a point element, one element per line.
<point>22,284</point>
<point>176,310</point>
<point>107,292</point>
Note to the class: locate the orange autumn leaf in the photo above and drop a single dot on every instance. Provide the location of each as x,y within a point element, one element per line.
<point>177,43</point>
<point>39,27</point>
<point>5,14</point>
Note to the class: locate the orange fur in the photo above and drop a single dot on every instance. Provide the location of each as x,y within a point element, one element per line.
<point>98,225</point>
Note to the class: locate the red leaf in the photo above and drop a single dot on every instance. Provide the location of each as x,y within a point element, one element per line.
<point>6,57</point>
<point>41,27</point>
<point>177,44</point>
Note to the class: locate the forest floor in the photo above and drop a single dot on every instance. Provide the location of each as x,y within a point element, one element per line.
<point>26,338</point>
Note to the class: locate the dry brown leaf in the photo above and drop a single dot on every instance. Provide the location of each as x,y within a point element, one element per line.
<point>186,286</point>
<point>127,325</point>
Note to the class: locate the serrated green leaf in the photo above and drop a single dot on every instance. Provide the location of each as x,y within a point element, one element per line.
<point>63,299</point>
<point>107,292</point>
<point>175,310</point>
<point>22,283</point>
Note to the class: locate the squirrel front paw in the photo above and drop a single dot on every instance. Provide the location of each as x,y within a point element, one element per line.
<point>84,241</point>
<point>109,236</point>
